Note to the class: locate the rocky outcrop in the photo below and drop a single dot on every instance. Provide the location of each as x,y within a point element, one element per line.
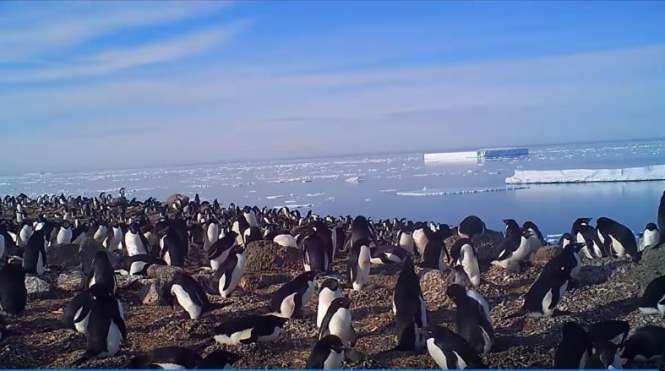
<point>544,254</point>
<point>37,287</point>
<point>70,281</point>
<point>63,256</point>
<point>266,256</point>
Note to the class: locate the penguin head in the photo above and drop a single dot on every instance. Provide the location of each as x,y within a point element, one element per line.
<point>456,292</point>
<point>565,240</point>
<point>331,284</point>
<point>342,302</point>
<point>651,227</point>
<point>511,225</point>
<point>100,293</point>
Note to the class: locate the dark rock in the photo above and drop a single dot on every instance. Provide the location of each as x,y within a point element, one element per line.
<point>70,281</point>
<point>544,254</point>
<point>651,266</point>
<point>63,256</point>
<point>36,286</point>
<point>164,273</point>
<point>253,281</point>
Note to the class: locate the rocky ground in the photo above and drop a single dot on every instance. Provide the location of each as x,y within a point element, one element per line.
<point>608,289</point>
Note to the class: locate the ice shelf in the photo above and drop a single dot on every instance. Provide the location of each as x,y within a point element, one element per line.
<point>631,174</point>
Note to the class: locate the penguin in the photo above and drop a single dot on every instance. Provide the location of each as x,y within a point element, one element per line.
<point>451,351</point>
<point>239,227</point>
<point>101,234</point>
<point>315,257</point>
<point>574,350</point>
<point>534,231</point>
<point>618,237</point>
<point>3,249</point>
<point>546,292</point>
<point>64,233</point>
<point>328,353</point>
<point>250,329</point>
<point>586,234</point>
<point>189,294</point>
<point>420,238</point>
<point>102,273</point>
<point>173,249</point>
<point>220,250</point>
<point>607,337</point>
<point>106,329</point>
<point>330,290</point>
<point>565,240</point>
<point>359,264</point>
<point>653,298</point>
<point>405,241</point>
<point>463,254</point>
<point>178,357</point>
<point>76,314</point>
<point>646,344</point>
<point>24,235</point>
<point>387,255</point>
<point>515,248</point>
<point>211,233</point>
<point>228,275</point>
<point>289,299</point>
<point>435,249</point>
<point>471,226</point>
<point>13,293</point>
<point>338,322</point>
<point>135,242</point>
<point>138,264</point>
<point>285,240</point>
<point>409,309</point>
<point>114,241</point>
<point>471,320</point>
<point>250,216</point>
<point>34,254</point>
<point>650,237</point>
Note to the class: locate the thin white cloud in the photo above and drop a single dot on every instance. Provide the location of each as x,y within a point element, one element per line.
<point>31,36</point>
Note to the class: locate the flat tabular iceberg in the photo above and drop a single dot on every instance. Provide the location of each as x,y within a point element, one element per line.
<point>631,174</point>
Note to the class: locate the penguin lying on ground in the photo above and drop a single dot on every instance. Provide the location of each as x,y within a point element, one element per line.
<point>250,329</point>
<point>653,299</point>
<point>289,299</point>
<point>178,357</point>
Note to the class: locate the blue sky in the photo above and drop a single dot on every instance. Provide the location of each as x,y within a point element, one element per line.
<point>94,85</point>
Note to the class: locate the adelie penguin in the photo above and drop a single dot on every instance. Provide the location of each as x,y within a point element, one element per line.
<point>328,353</point>
<point>451,351</point>
<point>34,254</point>
<point>102,273</point>
<point>220,250</point>
<point>471,320</point>
<point>574,350</point>
<point>435,249</point>
<point>189,294</point>
<point>226,277</point>
<point>661,217</point>
<point>77,311</point>
<point>105,329</point>
<point>653,298</point>
<point>387,255</point>
<point>409,309</point>
<point>463,254</point>
<point>607,338</point>
<point>289,299</point>
<point>250,329</point>
<point>135,242</point>
<point>315,257</point>
<point>618,237</point>
<point>587,235</point>
<point>64,235</point>
<point>471,226</point>
<point>179,358</point>
<point>650,237</point>
<point>359,264</point>
<point>516,247</point>
<point>338,321</point>
<point>646,344</point>
<point>330,290</point>
<point>139,264</point>
<point>13,294</point>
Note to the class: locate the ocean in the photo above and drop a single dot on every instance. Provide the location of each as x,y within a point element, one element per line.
<point>397,185</point>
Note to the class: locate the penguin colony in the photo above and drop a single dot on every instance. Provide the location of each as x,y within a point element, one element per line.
<point>341,260</point>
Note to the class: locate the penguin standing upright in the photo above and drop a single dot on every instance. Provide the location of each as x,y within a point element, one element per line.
<point>135,242</point>
<point>405,240</point>
<point>64,233</point>
<point>76,314</point>
<point>535,231</point>
<point>13,294</point>
<point>289,299</point>
<point>650,237</point>
<point>220,249</point>
<point>315,257</point>
<point>24,234</point>
<point>102,273</point>
<point>463,254</point>
<point>471,320</point>
<point>661,217</point>
<point>338,321</point>
<point>617,237</point>
<point>515,248</point>
<point>330,290</point>
<point>228,275</point>
<point>328,353</point>
<point>34,254</point>
<point>409,309</point>
<point>189,294</point>
<point>106,329</point>
<point>359,264</point>
<point>586,234</point>
<point>451,351</point>
<point>574,350</point>
<point>173,249</point>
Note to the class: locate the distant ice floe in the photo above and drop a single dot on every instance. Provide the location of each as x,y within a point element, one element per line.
<point>632,174</point>
<point>354,180</point>
<point>432,192</point>
<point>274,197</point>
<point>318,194</point>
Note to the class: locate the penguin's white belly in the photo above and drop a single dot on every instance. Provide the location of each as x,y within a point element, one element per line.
<point>334,360</point>
<point>64,236</point>
<point>460,361</point>
<point>137,267</point>
<point>288,306</point>
<point>325,298</point>
<point>194,310</point>
<point>113,340</point>
<point>547,301</point>
<point>167,258</point>
<point>169,366</point>
<point>618,247</point>
<point>487,341</point>
<point>82,325</point>
<point>437,354</point>
<point>420,239</point>
<point>215,263</point>
<point>134,245</point>
<point>340,325</point>
<point>650,239</point>
<point>406,242</point>
<point>235,338</point>
<point>235,276</point>
<point>213,233</point>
